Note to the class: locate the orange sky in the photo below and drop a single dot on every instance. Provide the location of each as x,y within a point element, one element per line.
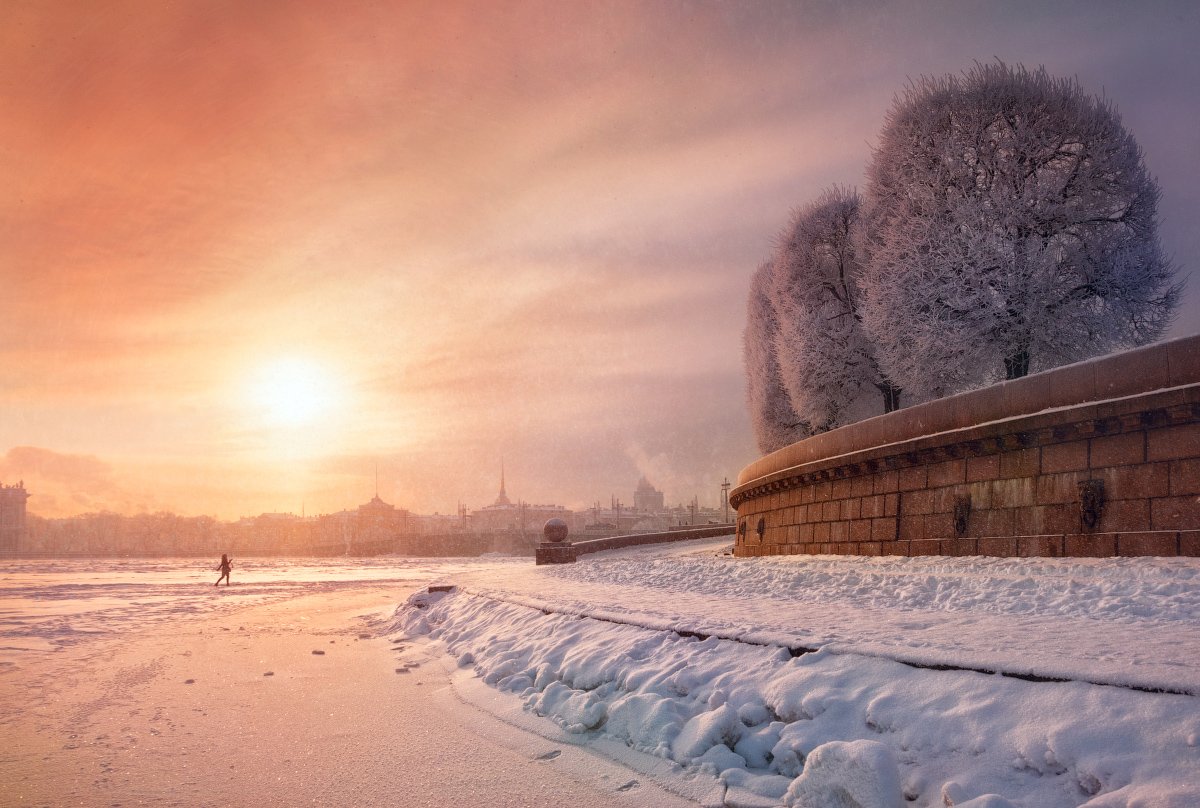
<point>518,230</point>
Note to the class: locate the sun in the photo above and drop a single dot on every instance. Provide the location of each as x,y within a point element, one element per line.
<point>293,392</point>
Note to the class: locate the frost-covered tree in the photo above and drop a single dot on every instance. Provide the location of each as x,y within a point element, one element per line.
<point>1012,227</point>
<point>775,422</point>
<point>826,360</point>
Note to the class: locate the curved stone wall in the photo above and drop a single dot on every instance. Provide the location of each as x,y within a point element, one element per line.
<point>1099,458</point>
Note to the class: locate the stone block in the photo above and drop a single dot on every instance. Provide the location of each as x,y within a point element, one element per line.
<point>1020,463</point>
<point>1028,394</point>
<point>839,531</point>
<point>883,529</point>
<point>1071,456</point>
<point>828,548</point>
<point>1004,547</point>
<point>1127,515</point>
<point>1131,372</point>
<point>1175,513</point>
<point>959,547</point>
<point>846,548</point>
<point>554,553</point>
<point>1057,489</point>
<point>891,504</point>
<point>804,532</point>
<point>886,481</point>
<point>944,498</point>
<point>1034,546</point>
<point>1090,545</point>
<point>1135,482</point>
<point>870,548</point>
<point>862,485</point>
<point>925,547</point>
<point>911,527</point>
<point>1148,544</point>
<point>1040,520</point>
<point>992,522</point>
<point>806,494</point>
<point>940,526</point>
<point>1189,543</point>
<point>849,508</point>
<point>986,467</point>
<point>823,492</point>
<point>948,472</point>
<point>896,548</point>
<point>1183,360</point>
<point>860,530</point>
<point>793,534</point>
<point>840,489</point>
<point>1173,442</point>
<point>1118,450</point>
<point>1013,493</point>
<point>871,506</point>
<point>1072,384</point>
<point>913,478</point>
<point>1185,477</point>
<point>831,510</point>
<point>821,532</point>
<point>917,502</point>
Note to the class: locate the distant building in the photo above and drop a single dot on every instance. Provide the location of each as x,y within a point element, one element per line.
<point>12,516</point>
<point>647,498</point>
<point>521,518</point>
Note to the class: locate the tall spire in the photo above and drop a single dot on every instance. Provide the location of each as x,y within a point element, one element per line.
<point>503,498</point>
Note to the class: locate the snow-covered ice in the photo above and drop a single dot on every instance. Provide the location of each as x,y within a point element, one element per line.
<point>651,676</point>
<point>870,682</point>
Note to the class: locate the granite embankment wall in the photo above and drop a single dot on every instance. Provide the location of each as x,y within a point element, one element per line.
<point>1100,458</point>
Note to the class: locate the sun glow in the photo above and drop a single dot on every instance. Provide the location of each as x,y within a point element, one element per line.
<point>294,392</point>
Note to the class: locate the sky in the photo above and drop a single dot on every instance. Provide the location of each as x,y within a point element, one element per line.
<point>250,253</point>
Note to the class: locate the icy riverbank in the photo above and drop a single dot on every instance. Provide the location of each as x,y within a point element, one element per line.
<point>816,693</point>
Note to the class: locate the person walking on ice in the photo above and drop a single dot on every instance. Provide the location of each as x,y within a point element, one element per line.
<point>224,567</point>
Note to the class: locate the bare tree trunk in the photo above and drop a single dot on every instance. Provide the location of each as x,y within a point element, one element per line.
<point>891,396</point>
<point>1016,365</point>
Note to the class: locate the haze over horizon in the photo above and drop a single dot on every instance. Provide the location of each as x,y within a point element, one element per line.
<point>249,250</point>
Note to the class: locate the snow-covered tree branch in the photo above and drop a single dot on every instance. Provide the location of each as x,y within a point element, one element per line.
<point>1011,228</point>
<point>826,361</point>
<point>775,422</point>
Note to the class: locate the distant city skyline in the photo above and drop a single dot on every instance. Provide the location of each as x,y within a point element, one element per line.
<point>249,250</point>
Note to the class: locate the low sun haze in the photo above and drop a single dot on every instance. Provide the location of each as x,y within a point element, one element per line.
<point>251,253</point>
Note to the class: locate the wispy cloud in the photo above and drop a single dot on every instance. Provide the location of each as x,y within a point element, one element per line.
<point>521,228</point>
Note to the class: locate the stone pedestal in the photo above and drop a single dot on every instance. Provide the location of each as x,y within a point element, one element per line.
<point>555,549</point>
<point>554,553</point>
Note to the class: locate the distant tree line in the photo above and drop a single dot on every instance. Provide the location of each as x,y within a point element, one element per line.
<point>1008,226</point>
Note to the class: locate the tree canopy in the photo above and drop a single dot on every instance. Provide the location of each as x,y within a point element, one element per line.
<point>1011,228</point>
<point>1009,225</point>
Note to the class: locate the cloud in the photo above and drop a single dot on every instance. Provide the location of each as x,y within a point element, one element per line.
<point>522,229</point>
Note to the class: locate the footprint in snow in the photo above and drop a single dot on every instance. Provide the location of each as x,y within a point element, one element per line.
<point>551,755</point>
<point>630,786</point>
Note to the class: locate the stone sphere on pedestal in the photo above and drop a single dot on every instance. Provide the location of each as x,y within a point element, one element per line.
<point>555,530</point>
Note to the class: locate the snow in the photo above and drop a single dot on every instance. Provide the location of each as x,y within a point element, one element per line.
<point>807,680</point>
<point>658,675</point>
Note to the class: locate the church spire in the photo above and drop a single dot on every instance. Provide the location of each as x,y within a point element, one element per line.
<point>503,498</point>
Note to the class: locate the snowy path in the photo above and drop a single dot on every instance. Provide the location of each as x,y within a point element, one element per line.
<point>1133,622</point>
